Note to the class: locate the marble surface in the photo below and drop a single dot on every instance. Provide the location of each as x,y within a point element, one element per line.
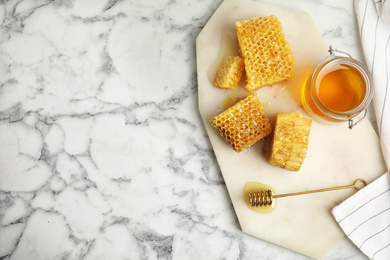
<point>103,154</point>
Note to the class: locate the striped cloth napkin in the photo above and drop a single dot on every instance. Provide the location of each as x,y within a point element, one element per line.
<point>365,216</point>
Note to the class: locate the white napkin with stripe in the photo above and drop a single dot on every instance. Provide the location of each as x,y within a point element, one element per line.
<point>365,216</point>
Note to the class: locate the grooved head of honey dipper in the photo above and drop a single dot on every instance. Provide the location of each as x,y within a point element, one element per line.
<point>258,197</point>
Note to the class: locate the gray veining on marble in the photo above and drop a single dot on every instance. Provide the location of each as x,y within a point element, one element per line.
<point>103,154</point>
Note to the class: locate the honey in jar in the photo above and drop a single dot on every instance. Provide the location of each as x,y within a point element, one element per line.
<point>339,89</point>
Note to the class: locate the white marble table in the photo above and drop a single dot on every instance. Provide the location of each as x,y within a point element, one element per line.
<point>103,154</point>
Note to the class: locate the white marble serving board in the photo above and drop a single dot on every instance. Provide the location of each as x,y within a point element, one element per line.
<point>336,156</point>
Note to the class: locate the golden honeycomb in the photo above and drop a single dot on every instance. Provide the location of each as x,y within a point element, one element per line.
<point>267,54</point>
<point>230,72</point>
<point>243,124</point>
<point>290,141</point>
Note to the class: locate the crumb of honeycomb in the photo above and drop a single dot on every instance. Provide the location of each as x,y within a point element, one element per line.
<point>287,147</point>
<point>243,124</point>
<point>267,54</point>
<point>230,72</point>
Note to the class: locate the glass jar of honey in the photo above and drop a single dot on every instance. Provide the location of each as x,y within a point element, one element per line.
<point>339,89</point>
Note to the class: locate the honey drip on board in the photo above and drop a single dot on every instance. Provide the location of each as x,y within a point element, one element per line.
<point>341,88</point>
<point>230,101</point>
<point>251,187</point>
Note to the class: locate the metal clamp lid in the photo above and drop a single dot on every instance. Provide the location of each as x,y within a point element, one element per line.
<point>350,121</point>
<point>333,51</point>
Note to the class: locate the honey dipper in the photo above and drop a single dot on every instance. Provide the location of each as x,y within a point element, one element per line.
<point>262,198</point>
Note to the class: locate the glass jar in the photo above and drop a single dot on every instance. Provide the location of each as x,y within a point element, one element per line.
<point>339,89</point>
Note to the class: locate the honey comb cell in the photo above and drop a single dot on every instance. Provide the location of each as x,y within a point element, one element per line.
<point>267,54</point>
<point>243,124</point>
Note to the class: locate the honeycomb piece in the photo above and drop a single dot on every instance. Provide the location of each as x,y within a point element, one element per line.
<point>230,72</point>
<point>267,54</point>
<point>243,124</point>
<point>290,141</point>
